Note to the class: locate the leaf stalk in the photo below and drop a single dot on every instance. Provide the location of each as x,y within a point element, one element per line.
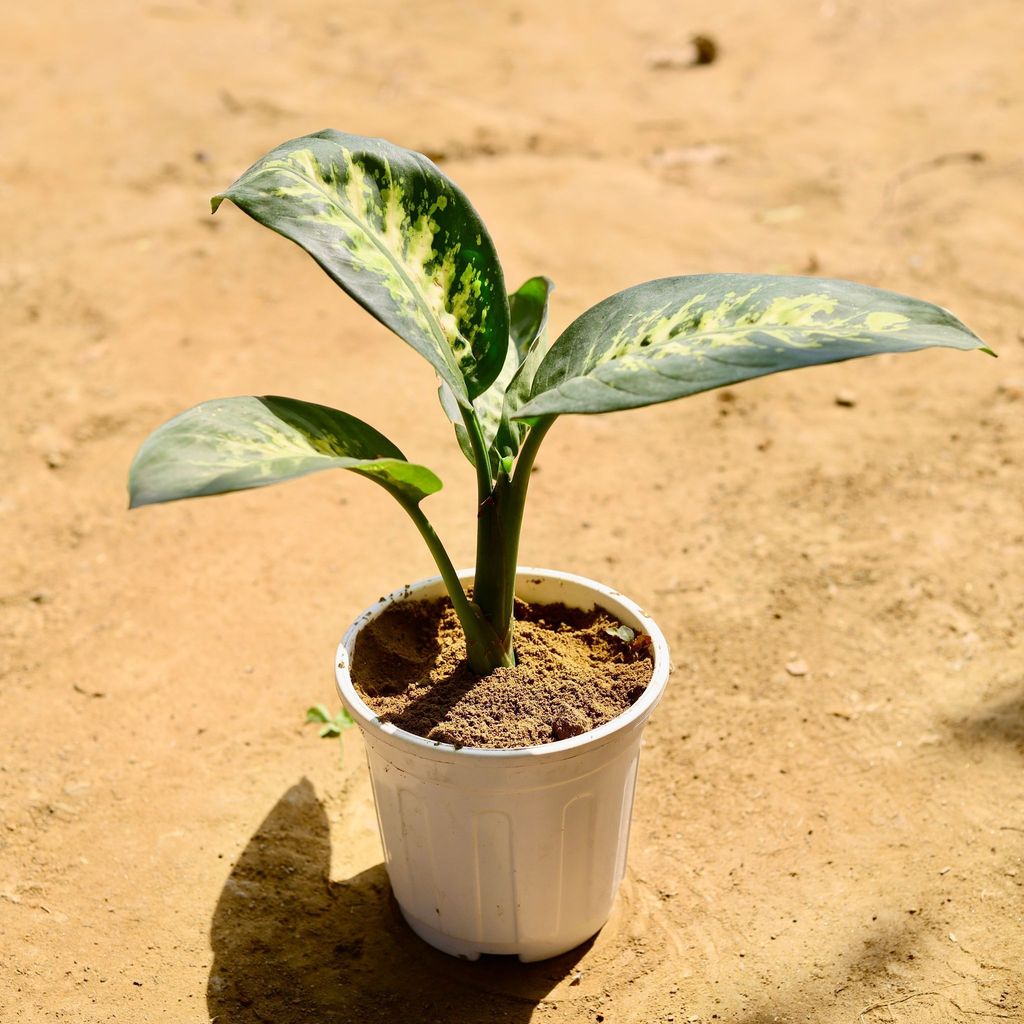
<point>483,647</point>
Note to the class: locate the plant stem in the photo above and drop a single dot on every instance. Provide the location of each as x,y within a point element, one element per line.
<point>484,480</point>
<point>499,524</point>
<point>483,647</point>
<point>494,583</point>
<point>521,484</point>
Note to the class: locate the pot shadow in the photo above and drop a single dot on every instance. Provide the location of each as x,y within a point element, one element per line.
<point>291,946</point>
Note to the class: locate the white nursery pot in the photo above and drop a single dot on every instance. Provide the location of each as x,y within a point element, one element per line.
<point>515,851</point>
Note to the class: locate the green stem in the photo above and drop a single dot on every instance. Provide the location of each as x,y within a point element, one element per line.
<point>484,649</point>
<point>521,484</point>
<point>494,584</point>
<point>499,525</point>
<point>484,480</point>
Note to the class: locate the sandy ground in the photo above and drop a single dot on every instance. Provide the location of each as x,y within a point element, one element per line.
<point>841,845</point>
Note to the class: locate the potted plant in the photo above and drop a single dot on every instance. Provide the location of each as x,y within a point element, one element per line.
<point>517,849</point>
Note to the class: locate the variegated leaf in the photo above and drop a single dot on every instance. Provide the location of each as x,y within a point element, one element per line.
<point>528,318</point>
<point>487,408</point>
<point>681,335</point>
<point>399,237</point>
<point>233,444</point>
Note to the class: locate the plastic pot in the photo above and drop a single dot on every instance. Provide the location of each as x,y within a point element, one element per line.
<point>507,851</point>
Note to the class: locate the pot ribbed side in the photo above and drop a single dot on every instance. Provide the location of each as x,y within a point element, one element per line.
<point>508,851</point>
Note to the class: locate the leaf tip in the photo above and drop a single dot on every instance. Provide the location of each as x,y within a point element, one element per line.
<point>136,498</point>
<point>215,202</point>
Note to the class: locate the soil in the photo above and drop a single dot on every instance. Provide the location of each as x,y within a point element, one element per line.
<point>829,822</point>
<point>573,673</point>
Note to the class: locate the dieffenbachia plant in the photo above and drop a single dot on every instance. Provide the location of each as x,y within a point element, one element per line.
<point>406,244</point>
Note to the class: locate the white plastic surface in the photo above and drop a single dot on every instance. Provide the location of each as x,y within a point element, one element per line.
<point>507,851</point>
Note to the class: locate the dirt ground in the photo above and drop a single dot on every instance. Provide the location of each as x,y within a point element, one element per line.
<point>839,840</point>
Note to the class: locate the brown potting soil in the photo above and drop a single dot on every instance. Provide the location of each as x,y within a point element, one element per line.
<point>572,674</point>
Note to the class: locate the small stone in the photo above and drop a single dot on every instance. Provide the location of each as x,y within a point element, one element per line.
<point>39,597</point>
<point>705,49</point>
<point>55,459</point>
<point>797,668</point>
<point>702,49</point>
<point>576,978</point>
<point>846,399</point>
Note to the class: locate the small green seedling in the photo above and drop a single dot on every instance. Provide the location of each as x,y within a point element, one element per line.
<point>329,727</point>
<point>405,243</point>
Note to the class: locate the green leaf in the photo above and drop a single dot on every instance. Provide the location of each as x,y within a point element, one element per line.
<point>399,237</point>
<point>531,304</point>
<point>331,726</point>
<point>681,335</point>
<point>529,313</point>
<point>489,408</point>
<point>236,443</point>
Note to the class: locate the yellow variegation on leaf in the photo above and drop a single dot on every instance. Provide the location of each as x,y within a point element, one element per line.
<point>399,237</point>
<point>682,335</point>
<point>502,436</point>
<point>233,444</point>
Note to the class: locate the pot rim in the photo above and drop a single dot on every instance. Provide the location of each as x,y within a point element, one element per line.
<point>635,714</point>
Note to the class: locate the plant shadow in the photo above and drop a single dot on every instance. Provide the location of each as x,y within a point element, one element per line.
<point>290,945</point>
<point>1002,719</point>
<point>887,947</point>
